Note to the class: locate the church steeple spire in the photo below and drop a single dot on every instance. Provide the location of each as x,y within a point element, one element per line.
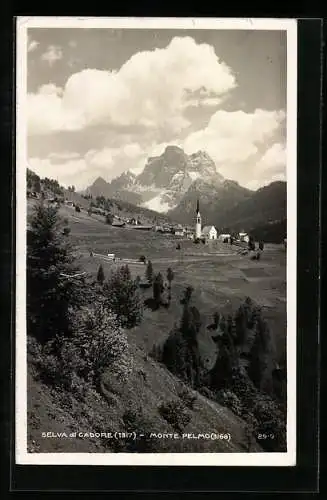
<point>198,224</point>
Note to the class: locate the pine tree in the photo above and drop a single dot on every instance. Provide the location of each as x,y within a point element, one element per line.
<point>170,277</point>
<point>100,275</point>
<point>216,319</point>
<point>51,287</point>
<point>157,289</point>
<point>260,354</point>
<point>149,272</point>
<point>122,297</point>
<point>187,295</point>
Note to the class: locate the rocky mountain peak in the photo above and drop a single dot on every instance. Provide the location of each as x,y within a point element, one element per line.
<point>99,181</point>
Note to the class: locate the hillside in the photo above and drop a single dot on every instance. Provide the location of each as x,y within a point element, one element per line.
<point>51,190</point>
<point>216,201</point>
<point>149,385</point>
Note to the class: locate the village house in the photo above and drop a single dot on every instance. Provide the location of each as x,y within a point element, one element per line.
<point>224,237</point>
<point>244,237</point>
<point>209,233</point>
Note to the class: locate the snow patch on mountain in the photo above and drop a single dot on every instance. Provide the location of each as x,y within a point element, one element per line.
<point>158,205</point>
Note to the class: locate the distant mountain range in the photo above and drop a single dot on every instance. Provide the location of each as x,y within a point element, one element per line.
<point>172,182</point>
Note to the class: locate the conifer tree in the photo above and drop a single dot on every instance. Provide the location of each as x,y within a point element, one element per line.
<point>260,354</point>
<point>149,272</point>
<point>52,288</point>
<point>157,289</point>
<point>187,295</point>
<point>100,275</point>
<point>122,297</point>
<point>170,277</point>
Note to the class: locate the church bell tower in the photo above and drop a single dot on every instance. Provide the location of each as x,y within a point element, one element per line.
<point>198,224</point>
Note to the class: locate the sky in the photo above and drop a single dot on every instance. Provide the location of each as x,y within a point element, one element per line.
<point>101,101</point>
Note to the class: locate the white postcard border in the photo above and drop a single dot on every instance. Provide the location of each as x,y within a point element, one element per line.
<point>171,459</point>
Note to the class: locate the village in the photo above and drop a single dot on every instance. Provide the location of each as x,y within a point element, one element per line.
<point>196,232</point>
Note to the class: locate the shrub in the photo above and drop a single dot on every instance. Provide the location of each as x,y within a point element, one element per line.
<point>137,424</point>
<point>100,343</point>
<point>109,219</point>
<point>187,397</point>
<point>176,414</point>
<point>227,398</point>
<point>78,362</point>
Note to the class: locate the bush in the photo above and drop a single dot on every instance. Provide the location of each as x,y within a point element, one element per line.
<point>137,424</point>
<point>187,295</point>
<point>109,219</point>
<point>187,397</point>
<point>78,362</point>
<point>101,343</point>
<point>176,414</point>
<point>229,399</point>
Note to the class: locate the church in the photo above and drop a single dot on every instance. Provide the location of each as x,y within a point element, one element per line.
<point>208,232</point>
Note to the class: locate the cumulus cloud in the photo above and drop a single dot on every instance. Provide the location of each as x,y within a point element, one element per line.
<point>52,54</point>
<point>72,168</point>
<point>232,138</point>
<point>151,89</point>
<point>270,167</point>
<point>67,172</point>
<point>274,159</point>
<point>32,45</point>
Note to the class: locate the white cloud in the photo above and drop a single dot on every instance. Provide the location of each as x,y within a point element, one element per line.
<point>66,172</point>
<point>151,89</point>
<point>71,168</point>
<point>274,159</point>
<point>270,167</point>
<point>64,156</point>
<point>32,45</point>
<point>232,138</point>
<point>52,54</point>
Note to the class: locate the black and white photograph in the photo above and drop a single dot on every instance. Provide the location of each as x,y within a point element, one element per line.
<point>156,241</point>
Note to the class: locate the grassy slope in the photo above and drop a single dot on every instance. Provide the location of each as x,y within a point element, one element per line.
<point>149,385</point>
<point>220,282</point>
<point>221,278</point>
